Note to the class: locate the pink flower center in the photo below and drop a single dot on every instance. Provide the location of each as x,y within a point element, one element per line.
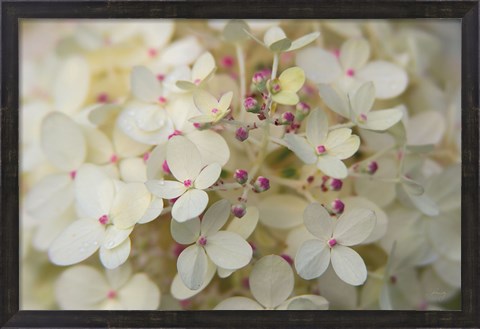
<point>165,167</point>
<point>187,183</point>
<point>336,53</point>
<point>103,219</point>
<point>214,111</point>
<point>202,240</point>
<point>162,100</point>
<point>146,156</point>
<point>332,243</point>
<point>111,294</point>
<point>72,174</point>
<point>114,158</point>
<point>197,81</point>
<point>152,52</point>
<point>175,133</point>
<point>321,149</point>
<point>227,61</point>
<point>102,98</point>
<point>363,117</point>
<point>160,77</point>
<point>350,72</point>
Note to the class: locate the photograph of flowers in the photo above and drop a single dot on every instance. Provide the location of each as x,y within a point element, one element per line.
<point>240,164</point>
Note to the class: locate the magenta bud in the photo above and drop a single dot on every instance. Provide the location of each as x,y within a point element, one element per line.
<point>302,110</point>
<point>241,176</point>
<point>288,117</point>
<point>241,134</point>
<point>334,184</point>
<point>275,86</point>
<point>259,80</point>
<point>239,210</point>
<point>338,206</point>
<point>372,167</point>
<point>261,184</point>
<point>251,105</point>
<point>287,258</point>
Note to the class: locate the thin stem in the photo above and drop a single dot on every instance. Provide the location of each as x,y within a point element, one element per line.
<point>241,70</point>
<point>274,66</point>
<point>224,187</point>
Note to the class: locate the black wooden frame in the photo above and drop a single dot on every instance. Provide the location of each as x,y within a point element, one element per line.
<point>12,11</point>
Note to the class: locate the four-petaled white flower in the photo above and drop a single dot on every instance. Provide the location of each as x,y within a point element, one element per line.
<point>213,110</point>
<point>357,106</point>
<point>271,283</point>
<point>322,147</point>
<point>109,209</point>
<point>227,250</point>
<point>84,288</point>
<point>334,237</point>
<point>185,163</point>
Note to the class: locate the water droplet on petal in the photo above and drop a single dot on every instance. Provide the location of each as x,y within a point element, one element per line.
<point>161,182</point>
<point>110,244</point>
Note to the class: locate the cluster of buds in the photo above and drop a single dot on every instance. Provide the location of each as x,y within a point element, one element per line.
<point>370,168</point>
<point>259,80</point>
<point>240,209</point>
<point>261,184</point>
<point>331,184</point>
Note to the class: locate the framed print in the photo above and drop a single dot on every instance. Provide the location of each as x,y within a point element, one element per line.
<point>245,164</point>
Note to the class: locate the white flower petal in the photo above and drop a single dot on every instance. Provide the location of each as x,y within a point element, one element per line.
<point>246,225</point>
<point>166,189</point>
<point>337,137</point>
<point>140,293</point>
<point>192,266</point>
<point>208,176</point>
<point>204,101</point>
<point>320,66</point>
<point>114,236</point>
<point>78,242</point>
<point>228,250</point>
<point>363,99</point>
<point>348,265</point>
<point>317,127</point>
<point>50,197</point>
<point>133,170</point>
<point>215,217</point>
<point>62,141</point>
<point>312,259</point>
<point>390,80</point>
<point>449,271</point>
<point>271,281</point>
<point>332,166</point>
<point>318,221</point>
<point>80,288</point>
<point>382,119</point>
<point>181,292</point>
<point>118,277</point>
<point>303,41</point>
<point>354,53</point>
<point>71,85</point>
<point>283,211</point>
<point>223,273</point>
<point>425,128</point>
<point>181,52</point>
<point>354,226</point>
<point>225,101</point>
<point>305,302</point>
<point>444,232</point>
<point>94,191</point>
<point>131,202</point>
<point>186,232</point>
<point>238,303</point>
<point>48,231</point>
<point>125,146</point>
<point>191,204</point>
<point>183,158</point>
<point>273,34</point>
<point>113,258</point>
<point>203,67</point>
<point>155,162</point>
<point>346,149</point>
<point>145,85</point>
<point>301,148</point>
<point>336,100</point>
<point>153,211</point>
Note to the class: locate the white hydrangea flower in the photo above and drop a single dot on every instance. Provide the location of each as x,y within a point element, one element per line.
<point>185,164</point>
<point>202,70</point>
<point>350,69</point>
<point>213,110</point>
<point>333,239</point>
<point>271,283</point>
<point>225,249</point>
<point>85,288</point>
<point>109,210</point>
<point>357,106</point>
<point>323,148</point>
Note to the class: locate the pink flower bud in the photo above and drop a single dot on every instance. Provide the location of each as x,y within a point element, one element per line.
<point>372,167</point>
<point>241,134</point>
<point>261,184</point>
<point>251,105</point>
<point>288,118</point>
<point>241,176</point>
<point>334,184</point>
<point>239,210</point>
<point>227,62</point>
<point>275,86</point>
<point>259,80</point>
<point>301,111</point>
<point>338,206</point>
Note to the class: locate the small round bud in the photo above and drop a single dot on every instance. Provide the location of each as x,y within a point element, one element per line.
<point>275,86</point>
<point>288,118</point>
<point>241,134</point>
<point>261,184</point>
<point>241,176</point>
<point>239,210</point>
<point>259,80</point>
<point>251,105</point>
<point>227,62</point>
<point>301,111</point>
<point>334,184</point>
<point>338,206</point>
<point>372,167</point>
